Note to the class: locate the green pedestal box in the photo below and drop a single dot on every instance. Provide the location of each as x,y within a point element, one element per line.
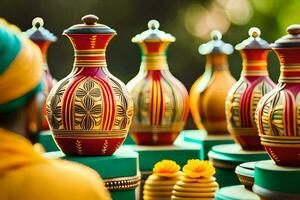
<point>46,139</point>
<point>276,182</point>
<point>119,171</point>
<point>236,192</point>
<point>227,157</point>
<point>206,141</point>
<point>181,151</point>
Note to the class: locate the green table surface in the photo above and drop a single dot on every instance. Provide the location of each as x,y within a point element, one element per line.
<point>122,164</point>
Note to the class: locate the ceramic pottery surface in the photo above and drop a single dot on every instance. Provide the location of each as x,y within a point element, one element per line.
<point>43,38</point>
<point>243,97</point>
<point>160,100</point>
<point>89,111</point>
<point>278,112</point>
<point>208,93</point>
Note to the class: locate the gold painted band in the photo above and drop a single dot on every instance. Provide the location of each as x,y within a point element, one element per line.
<point>122,183</point>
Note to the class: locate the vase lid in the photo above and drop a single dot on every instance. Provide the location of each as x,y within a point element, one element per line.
<point>215,45</point>
<point>254,41</point>
<point>38,32</point>
<point>89,26</point>
<point>153,34</point>
<point>292,39</point>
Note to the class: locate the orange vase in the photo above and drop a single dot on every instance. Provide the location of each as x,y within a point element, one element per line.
<point>161,101</point>
<point>43,38</point>
<point>208,93</point>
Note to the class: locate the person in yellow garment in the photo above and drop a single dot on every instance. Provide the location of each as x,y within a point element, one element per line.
<point>24,173</point>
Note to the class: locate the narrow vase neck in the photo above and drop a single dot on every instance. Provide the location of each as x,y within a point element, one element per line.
<point>154,62</point>
<point>218,62</point>
<point>43,45</point>
<point>289,64</point>
<point>289,73</point>
<point>255,62</point>
<point>90,58</point>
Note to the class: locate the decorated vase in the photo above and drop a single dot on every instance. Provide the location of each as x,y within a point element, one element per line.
<point>278,112</point>
<point>160,100</point>
<point>89,111</point>
<point>43,38</point>
<point>243,97</point>
<point>208,93</point>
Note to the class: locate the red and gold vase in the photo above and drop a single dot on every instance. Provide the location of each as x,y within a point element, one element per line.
<point>161,101</point>
<point>89,111</point>
<point>243,97</point>
<point>208,93</point>
<point>278,112</point>
<point>43,38</point>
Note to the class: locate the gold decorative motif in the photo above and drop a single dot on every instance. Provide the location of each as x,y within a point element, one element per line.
<point>122,183</point>
<point>104,147</point>
<point>79,147</point>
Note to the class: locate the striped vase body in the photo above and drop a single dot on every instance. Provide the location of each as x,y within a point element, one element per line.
<point>243,97</point>
<point>90,110</point>
<point>160,100</point>
<point>278,112</point>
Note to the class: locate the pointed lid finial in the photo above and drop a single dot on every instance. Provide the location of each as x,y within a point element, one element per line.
<point>254,41</point>
<point>215,45</point>
<point>153,34</point>
<point>38,32</point>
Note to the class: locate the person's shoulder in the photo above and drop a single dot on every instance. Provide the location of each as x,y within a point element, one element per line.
<point>69,178</point>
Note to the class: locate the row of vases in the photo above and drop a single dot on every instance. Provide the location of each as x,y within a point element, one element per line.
<point>90,111</point>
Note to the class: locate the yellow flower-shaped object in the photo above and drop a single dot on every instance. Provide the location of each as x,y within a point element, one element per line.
<point>198,169</point>
<point>166,168</point>
<point>197,182</point>
<point>159,185</point>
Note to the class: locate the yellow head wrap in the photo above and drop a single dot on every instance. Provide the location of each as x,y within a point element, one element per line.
<point>20,68</point>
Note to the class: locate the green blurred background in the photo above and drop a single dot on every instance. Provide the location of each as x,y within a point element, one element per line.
<point>190,21</point>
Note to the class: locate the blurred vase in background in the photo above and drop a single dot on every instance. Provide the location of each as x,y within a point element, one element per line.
<point>160,100</point>
<point>208,93</point>
<point>43,38</point>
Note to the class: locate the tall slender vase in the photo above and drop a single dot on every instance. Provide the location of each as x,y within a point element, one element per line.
<point>278,112</point>
<point>43,38</point>
<point>161,101</point>
<point>243,97</point>
<point>208,93</point>
<point>89,111</point>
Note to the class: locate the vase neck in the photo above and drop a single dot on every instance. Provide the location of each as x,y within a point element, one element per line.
<point>90,58</point>
<point>90,49</point>
<point>218,62</point>
<point>255,62</point>
<point>43,45</point>
<point>289,73</point>
<point>154,62</point>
